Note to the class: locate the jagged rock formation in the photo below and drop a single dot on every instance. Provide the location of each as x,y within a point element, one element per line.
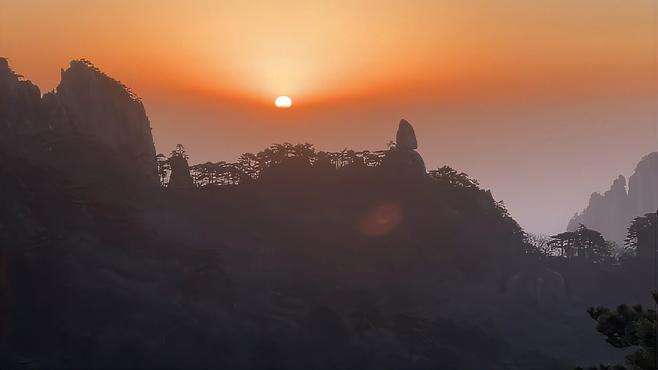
<point>404,160</point>
<point>20,103</point>
<point>610,213</point>
<point>86,103</point>
<point>100,106</point>
<point>643,186</point>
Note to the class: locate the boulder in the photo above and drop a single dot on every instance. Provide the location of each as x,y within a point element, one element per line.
<point>403,161</point>
<point>405,139</point>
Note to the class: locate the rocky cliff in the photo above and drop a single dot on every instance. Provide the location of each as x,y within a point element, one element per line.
<point>20,103</point>
<point>643,186</point>
<point>86,103</point>
<point>611,212</point>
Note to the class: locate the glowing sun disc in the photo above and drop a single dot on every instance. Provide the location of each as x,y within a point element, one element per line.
<point>283,102</point>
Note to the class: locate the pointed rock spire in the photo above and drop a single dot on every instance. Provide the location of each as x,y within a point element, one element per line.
<point>405,139</point>
<point>404,160</point>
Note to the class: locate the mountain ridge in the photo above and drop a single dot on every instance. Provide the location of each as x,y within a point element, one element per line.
<point>612,212</point>
<point>86,102</point>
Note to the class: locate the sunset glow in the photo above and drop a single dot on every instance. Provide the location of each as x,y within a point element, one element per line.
<point>323,51</point>
<point>473,76</point>
<point>324,184</point>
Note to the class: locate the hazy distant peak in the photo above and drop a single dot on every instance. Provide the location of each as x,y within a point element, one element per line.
<point>611,212</point>
<point>643,185</point>
<point>618,185</point>
<point>647,161</point>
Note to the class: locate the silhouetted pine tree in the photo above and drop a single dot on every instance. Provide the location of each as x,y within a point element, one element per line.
<point>629,327</point>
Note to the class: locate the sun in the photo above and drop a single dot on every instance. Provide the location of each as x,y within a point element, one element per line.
<point>283,102</point>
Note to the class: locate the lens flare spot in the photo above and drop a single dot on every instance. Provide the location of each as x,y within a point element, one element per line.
<point>381,219</point>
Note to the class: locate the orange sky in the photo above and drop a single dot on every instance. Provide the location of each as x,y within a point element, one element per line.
<point>509,90</point>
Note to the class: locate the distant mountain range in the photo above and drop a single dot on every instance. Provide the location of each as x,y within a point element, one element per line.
<point>611,212</point>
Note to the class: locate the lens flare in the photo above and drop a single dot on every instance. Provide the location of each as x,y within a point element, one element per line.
<point>381,219</point>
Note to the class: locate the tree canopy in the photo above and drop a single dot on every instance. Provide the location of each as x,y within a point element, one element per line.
<point>629,327</point>
<point>641,238</point>
<point>582,243</point>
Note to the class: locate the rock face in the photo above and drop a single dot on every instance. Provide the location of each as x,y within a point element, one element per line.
<point>99,106</point>
<point>405,139</point>
<point>20,104</point>
<point>86,102</point>
<point>610,213</point>
<point>643,186</point>
<point>404,160</point>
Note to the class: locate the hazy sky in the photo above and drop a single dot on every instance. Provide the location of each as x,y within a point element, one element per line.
<point>543,101</point>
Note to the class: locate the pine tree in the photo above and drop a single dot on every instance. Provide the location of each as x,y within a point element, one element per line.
<point>629,327</point>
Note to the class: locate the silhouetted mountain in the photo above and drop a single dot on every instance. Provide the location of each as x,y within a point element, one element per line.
<point>20,104</point>
<point>86,104</point>
<point>612,212</point>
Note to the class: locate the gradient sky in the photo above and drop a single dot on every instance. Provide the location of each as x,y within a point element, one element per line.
<point>543,101</point>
